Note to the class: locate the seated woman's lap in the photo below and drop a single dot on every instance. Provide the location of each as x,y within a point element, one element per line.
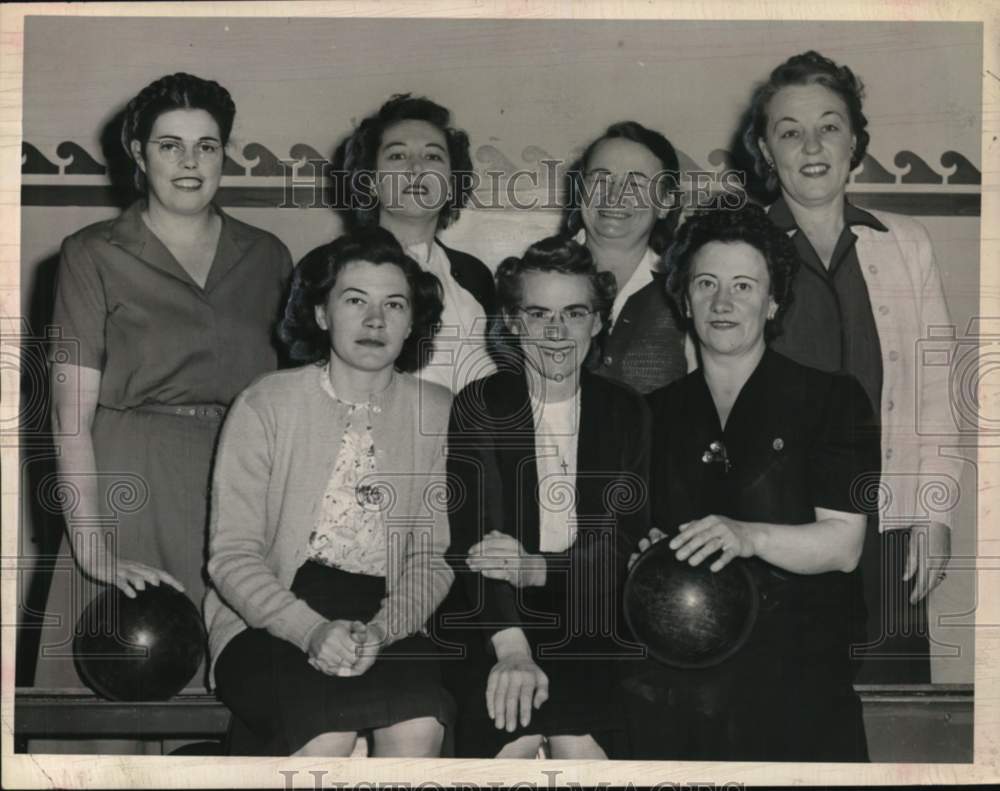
<point>776,699</point>
<point>569,712</point>
<point>284,702</point>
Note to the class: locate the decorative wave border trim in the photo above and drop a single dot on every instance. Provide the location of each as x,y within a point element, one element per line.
<point>256,177</point>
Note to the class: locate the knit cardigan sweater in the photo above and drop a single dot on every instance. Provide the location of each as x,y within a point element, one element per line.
<point>276,453</point>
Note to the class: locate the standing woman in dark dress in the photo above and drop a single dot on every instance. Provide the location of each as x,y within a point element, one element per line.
<point>624,207</point>
<point>170,310</point>
<point>408,170</point>
<point>867,291</point>
<point>550,464</point>
<point>758,457</point>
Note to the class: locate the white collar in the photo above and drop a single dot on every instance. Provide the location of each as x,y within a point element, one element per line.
<point>641,276</point>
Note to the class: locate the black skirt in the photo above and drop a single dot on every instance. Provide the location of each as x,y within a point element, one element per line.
<point>561,715</point>
<point>583,698</point>
<point>898,646</point>
<point>281,702</point>
<point>786,695</point>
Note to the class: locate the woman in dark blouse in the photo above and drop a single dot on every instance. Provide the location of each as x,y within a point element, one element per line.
<point>170,311</point>
<point>758,457</point>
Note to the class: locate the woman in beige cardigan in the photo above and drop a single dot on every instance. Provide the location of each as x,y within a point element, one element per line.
<point>867,292</point>
<point>327,545</point>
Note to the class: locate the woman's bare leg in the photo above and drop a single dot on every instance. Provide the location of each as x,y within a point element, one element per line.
<point>522,747</point>
<point>420,737</point>
<point>335,744</point>
<point>576,747</point>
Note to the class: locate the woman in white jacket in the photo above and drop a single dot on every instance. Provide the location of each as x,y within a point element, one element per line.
<point>867,292</point>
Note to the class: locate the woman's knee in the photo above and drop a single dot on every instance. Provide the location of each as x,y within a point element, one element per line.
<point>576,747</point>
<point>335,744</point>
<point>420,737</point>
<point>522,747</point>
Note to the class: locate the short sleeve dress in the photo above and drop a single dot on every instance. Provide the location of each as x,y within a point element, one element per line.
<point>796,439</point>
<point>172,356</point>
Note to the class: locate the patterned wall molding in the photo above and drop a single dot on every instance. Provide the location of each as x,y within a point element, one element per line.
<point>257,176</point>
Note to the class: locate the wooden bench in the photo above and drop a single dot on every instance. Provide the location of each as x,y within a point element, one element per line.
<point>929,723</point>
<point>79,714</point>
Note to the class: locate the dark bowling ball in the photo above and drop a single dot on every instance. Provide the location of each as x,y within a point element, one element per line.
<point>689,617</point>
<point>146,648</point>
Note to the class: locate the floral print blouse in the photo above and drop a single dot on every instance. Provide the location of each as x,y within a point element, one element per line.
<point>349,532</point>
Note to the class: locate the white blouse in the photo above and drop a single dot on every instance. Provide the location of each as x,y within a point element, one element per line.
<point>460,354</point>
<point>557,431</point>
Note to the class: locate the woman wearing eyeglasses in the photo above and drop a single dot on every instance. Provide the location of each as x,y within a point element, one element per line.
<point>549,465</point>
<point>168,311</point>
<point>622,207</point>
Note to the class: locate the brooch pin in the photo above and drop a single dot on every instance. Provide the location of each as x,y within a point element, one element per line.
<point>716,452</point>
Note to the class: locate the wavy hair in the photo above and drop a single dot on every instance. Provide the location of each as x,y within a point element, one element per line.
<point>316,275</point>
<point>808,68</point>
<point>560,255</point>
<point>749,225</point>
<point>356,158</point>
<point>668,179</point>
<point>178,91</point>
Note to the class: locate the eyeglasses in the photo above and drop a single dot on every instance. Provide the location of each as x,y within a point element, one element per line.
<point>173,150</point>
<point>569,316</point>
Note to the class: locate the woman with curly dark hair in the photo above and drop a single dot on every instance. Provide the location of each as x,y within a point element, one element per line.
<point>552,465</point>
<point>170,310</point>
<point>325,545</point>
<point>868,290</point>
<point>757,457</point>
<point>623,205</point>
<point>407,169</point>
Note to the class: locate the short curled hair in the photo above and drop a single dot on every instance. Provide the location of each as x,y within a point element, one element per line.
<point>561,255</point>
<point>809,68</point>
<point>358,155</point>
<point>663,229</point>
<point>178,91</point>
<point>316,275</point>
<point>749,225</point>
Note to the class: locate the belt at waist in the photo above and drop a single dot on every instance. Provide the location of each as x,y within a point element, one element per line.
<point>202,411</point>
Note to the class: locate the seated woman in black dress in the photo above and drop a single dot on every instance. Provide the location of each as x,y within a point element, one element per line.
<point>326,551</point>
<point>551,462</point>
<point>758,457</point>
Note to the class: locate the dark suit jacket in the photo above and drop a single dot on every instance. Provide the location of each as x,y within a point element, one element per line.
<point>491,459</point>
<point>645,348</point>
<point>474,276</point>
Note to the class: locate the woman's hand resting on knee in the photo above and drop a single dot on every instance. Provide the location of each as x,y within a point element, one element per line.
<point>515,682</point>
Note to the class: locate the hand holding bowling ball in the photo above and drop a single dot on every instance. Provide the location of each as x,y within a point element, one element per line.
<point>689,616</point>
<point>701,538</point>
<point>129,576</point>
<point>143,648</point>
